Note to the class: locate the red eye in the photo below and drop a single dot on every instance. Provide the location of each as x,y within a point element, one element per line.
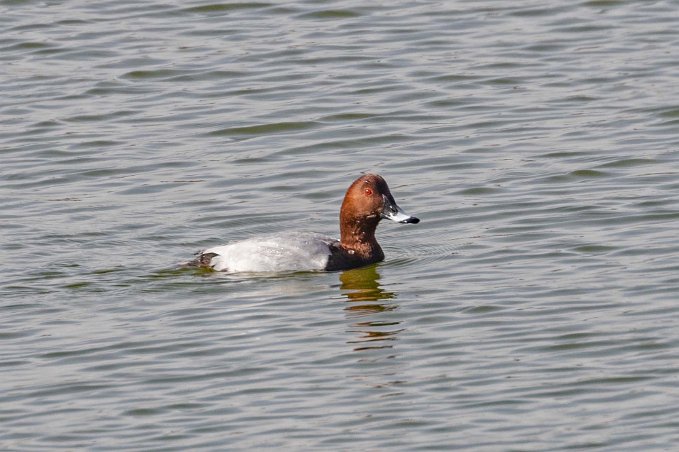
<point>369,191</point>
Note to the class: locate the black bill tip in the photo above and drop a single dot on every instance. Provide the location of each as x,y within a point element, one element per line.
<point>411,220</point>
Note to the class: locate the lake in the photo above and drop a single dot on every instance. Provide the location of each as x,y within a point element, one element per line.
<point>534,307</point>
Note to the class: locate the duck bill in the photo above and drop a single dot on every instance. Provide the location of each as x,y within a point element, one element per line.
<point>393,212</point>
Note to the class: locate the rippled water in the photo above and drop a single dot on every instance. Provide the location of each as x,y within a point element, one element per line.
<point>533,308</point>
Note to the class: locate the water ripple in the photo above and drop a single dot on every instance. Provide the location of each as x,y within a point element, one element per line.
<point>535,303</point>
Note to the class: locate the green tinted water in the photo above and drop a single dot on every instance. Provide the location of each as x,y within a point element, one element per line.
<point>534,307</point>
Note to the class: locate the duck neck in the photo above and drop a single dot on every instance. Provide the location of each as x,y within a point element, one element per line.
<point>358,237</point>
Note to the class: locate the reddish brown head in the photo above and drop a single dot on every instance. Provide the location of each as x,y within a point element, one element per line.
<point>368,200</point>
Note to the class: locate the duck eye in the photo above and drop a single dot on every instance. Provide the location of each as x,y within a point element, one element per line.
<point>369,191</point>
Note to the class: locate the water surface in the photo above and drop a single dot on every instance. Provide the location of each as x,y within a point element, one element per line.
<point>533,308</point>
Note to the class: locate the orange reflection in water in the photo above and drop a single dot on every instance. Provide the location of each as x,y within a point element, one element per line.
<point>369,301</point>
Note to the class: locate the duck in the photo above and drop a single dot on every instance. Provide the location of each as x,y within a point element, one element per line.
<point>367,201</point>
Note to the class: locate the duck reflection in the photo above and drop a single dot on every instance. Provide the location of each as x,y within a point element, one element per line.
<point>370,302</point>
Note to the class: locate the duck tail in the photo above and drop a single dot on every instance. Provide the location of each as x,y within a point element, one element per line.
<point>201,260</point>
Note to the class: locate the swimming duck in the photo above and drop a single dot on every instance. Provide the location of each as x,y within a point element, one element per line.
<point>366,202</point>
